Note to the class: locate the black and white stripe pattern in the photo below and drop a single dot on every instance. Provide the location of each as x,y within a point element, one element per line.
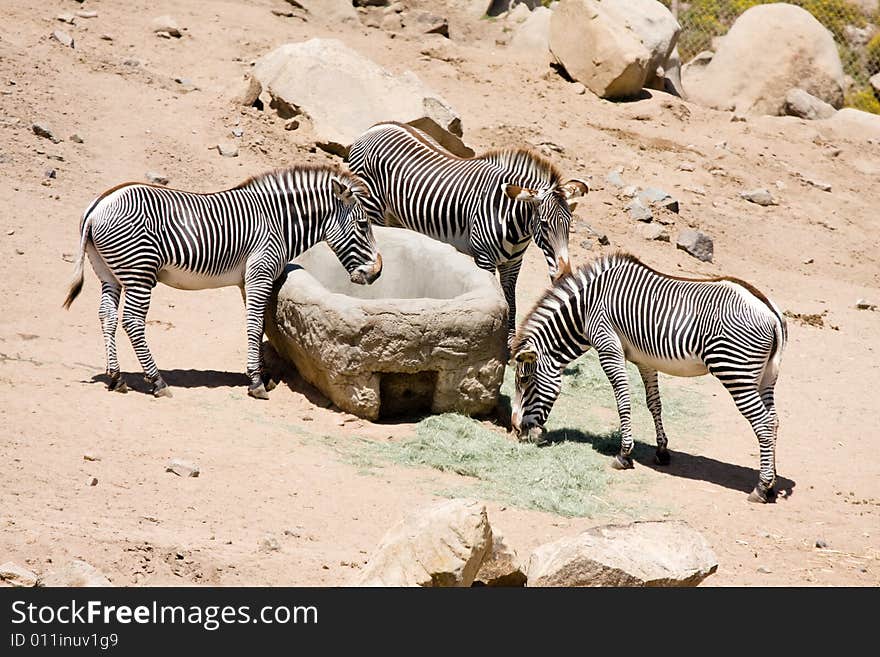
<point>488,207</point>
<point>137,234</point>
<point>683,327</point>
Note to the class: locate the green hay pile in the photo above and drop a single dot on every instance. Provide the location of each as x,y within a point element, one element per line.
<point>570,475</point>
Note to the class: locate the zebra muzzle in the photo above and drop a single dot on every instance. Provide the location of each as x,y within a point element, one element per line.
<point>366,274</point>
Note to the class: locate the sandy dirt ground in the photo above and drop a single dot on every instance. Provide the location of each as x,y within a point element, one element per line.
<point>263,472</point>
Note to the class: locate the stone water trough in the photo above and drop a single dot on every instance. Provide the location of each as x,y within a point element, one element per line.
<point>428,336</point>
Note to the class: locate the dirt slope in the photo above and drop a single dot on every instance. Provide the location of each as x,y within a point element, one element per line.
<point>263,472</point>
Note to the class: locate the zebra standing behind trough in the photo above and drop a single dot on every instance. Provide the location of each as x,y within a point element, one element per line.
<point>679,326</point>
<point>137,234</point>
<point>488,207</point>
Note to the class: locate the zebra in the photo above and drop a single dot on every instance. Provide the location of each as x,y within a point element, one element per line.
<point>488,206</point>
<point>136,234</point>
<point>680,326</point>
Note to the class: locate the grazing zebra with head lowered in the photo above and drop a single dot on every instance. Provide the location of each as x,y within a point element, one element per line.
<point>137,234</point>
<point>680,326</point>
<point>488,207</point>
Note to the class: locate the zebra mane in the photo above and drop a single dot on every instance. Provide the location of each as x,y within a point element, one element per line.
<point>523,160</point>
<point>319,173</point>
<point>566,287</point>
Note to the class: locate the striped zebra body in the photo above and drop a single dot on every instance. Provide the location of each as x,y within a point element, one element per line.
<point>488,207</point>
<point>683,327</point>
<point>137,235</point>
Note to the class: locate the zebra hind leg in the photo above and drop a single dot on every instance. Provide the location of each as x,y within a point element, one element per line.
<point>652,398</point>
<point>134,316</point>
<point>751,405</point>
<point>614,365</point>
<point>109,316</point>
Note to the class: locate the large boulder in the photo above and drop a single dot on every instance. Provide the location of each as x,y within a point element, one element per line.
<point>856,124</point>
<point>769,50</point>
<point>532,36</point>
<point>428,336</point>
<point>343,93</point>
<point>664,553</point>
<point>442,545</point>
<point>75,573</point>
<point>501,566</point>
<point>614,47</point>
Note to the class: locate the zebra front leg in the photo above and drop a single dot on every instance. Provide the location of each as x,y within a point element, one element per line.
<point>257,290</point>
<point>614,365</point>
<point>108,313</point>
<point>652,399</point>
<point>508,273</point>
<point>134,316</point>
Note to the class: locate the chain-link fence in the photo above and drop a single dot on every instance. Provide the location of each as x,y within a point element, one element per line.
<point>855,25</point>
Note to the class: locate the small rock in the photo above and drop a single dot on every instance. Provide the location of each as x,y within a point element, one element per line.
<point>808,261</point>
<point>51,173</point>
<point>307,418</point>
<point>821,544</point>
<point>226,149</point>
<point>237,132</point>
<point>639,211</point>
<point>861,304</point>
<point>761,196</point>
<point>131,61</point>
<point>75,138</point>
<point>824,186</point>
<point>19,252</point>
<point>63,38</point>
<point>738,118</point>
<point>806,106</point>
<point>630,191</point>
<point>291,124</point>
<point>603,239</point>
<point>252,93</point>
<point>652,232</point>
<point>164,35</point>
<point>701,191</point>
<point>614,178</point>
<point>92,481</point>
<point>182,468</point>
<point>427,23</point>
<point>42,130</point>
<point>107,37</point>
<point>156,178</point>
<point>765,571</point>
<point>167,25</point>
<point>284,13</point>
<point>15,575</point>
<point>66,18</point>
<point>75,573</point>
<point>658,198</point>
<point>392,23</point>
<point>578,89</point>
<point>87,14</point>
<point>697,244</point>
<point>686,166</point>
<point>269,544</point>
<point>186,83</point>
<point>91,456</point>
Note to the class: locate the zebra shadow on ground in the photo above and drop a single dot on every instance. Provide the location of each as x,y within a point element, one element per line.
<point>181,379</point>
<point>682,464</point>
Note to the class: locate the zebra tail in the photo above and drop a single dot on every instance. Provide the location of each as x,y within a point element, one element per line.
<point>77,284</point>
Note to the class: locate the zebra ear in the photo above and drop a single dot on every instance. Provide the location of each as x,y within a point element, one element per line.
<point>574,187</point>
<point>518,193</point>
<point>341,191</point>
<point>526,355</point>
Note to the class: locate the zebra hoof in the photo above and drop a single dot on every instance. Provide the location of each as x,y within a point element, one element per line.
<point>621,462</point>
<point>117,384</point>
<point>259,392</point>
<point>758,496</point>
<point>662,457</point>
<point>161,389</point>
<point>270,384</point>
